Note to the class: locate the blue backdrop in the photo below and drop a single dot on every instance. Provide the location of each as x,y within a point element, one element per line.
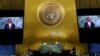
<point>94,48</point>
<point>7,49</point>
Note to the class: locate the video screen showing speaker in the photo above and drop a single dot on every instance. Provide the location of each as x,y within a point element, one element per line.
<point>89,25</point>
<point>11,23</point>
<point>11,27</point>
<point>89,21</point>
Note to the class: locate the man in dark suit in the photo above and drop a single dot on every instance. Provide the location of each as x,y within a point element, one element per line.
<point>10,25</point>
<point>89,24</point>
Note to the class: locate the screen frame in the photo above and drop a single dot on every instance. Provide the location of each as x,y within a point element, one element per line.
<point>12,13</point>
<point>87,12</point>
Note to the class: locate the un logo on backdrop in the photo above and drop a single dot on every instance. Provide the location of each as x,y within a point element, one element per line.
<point>50,14</point>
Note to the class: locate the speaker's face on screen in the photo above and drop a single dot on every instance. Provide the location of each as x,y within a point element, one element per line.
<point>9,20</point>
<point>88,19</point>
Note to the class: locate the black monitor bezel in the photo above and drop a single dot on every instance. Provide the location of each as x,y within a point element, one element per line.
<point>87,12</point>
<point>12,13</point>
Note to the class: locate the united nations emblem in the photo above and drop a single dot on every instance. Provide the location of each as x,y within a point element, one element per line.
<point>50,14</point>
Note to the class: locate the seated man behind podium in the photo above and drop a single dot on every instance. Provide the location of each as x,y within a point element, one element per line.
<point>9,25</point>
<point>89,24</point>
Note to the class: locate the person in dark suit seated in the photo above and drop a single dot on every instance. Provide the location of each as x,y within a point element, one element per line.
<point>9,25</point>
<point>89,24</point>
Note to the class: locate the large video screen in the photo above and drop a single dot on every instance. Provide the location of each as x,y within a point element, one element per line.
<point>11,26</point>
<point>89,28</point>
<point>11,23</point>
<point>89,21</point>
<point>89,25</point>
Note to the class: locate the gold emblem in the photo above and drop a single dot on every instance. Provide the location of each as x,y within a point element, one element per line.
<point>50,14</point>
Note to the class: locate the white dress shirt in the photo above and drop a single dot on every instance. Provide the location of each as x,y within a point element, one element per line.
<point>10,24</point>
<point>89,24</point>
